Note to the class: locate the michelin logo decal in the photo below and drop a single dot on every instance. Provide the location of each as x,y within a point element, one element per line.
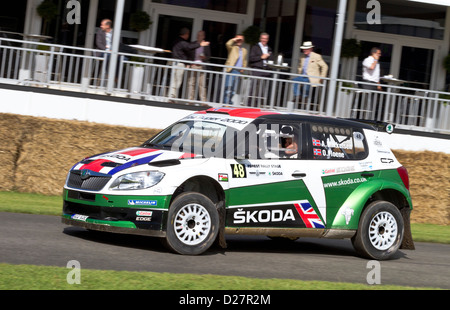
<point>152,203</point>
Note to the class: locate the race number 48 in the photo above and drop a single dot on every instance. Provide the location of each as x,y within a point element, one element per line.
<point>238,171</point>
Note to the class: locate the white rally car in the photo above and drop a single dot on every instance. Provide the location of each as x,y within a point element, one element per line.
<point>248,171</point>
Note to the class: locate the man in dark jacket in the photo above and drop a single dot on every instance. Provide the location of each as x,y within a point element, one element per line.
<point>200,55</point>
<point>181,50</point>
<point>103,37</point>
<point>259,55</point>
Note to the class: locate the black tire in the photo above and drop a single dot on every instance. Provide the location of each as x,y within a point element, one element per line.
<point>380,231</point>
<point>192,224</point>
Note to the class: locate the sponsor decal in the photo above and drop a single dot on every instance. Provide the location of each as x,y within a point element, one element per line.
<point>343,182</point>
<point>223,177</point>
<point>377,142</point>
<point>257,172</point>
<point>262,216</point>
<point>387,160</point>
<point>143,219</point>
<point>144,213</point>
<point>137,202</point>
<point>366,165</point>
<point>339,170</point>
<point>347,212</point>
<point>295,214</point>
<point>79,217</point>
<point>118,157</point>
<point>275,173</point>
<point>218,119</point>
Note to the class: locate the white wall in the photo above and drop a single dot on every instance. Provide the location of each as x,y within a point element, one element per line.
<point>136,115</point>
<point>87,109</point>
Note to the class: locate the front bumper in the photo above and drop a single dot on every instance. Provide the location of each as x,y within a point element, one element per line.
<point>117,227</point>
<point>142,215</point>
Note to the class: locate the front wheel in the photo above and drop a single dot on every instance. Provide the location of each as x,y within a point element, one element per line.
<point>192,225</point>
<point>380,231</point>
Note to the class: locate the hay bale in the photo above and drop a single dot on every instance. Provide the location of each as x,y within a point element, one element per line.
<point>429,186</point>
<point>49,148</point>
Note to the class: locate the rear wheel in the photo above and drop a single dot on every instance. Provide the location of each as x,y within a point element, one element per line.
<point>193,224</point>
<point>380,231</point>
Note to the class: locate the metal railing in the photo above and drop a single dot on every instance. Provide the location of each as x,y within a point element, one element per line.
<point>164,79</point>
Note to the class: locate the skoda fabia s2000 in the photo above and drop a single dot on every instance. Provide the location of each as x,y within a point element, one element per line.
<point>248,171</point>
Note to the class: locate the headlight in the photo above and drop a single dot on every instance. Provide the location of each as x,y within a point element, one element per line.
<point>137,180</point>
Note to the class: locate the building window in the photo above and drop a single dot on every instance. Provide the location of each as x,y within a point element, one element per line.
<point>320,20</point>
<point>278,18</point>
<point>410,19</point>
<point>230,6</point>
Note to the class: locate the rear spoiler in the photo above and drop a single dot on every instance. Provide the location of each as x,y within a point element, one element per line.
<point>378,125</point>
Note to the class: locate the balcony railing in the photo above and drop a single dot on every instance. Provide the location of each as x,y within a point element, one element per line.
<point>148,77</point>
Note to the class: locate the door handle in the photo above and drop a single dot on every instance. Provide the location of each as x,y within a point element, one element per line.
<point>367,174</point>
<point>297,174</point>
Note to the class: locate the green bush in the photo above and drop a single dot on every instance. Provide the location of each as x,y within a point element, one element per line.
<point>140,21</point>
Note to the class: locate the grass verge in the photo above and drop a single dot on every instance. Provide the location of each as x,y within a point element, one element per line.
<point>30,277</point>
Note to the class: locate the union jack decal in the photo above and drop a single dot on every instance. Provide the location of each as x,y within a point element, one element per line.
<point>308,215</point>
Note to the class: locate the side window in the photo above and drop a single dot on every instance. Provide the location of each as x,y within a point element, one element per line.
<point>336,142</point>
<point>274,141</point>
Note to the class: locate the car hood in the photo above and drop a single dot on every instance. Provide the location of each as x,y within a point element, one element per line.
<point>114,162</point>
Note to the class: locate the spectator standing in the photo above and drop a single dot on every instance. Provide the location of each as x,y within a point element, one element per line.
<point>311,64</point>
<point>200,55</point>
<point>259,55</point>
<point>181,50</point>
<point>237,57</point>
<point>371,70</point>
<point>103,37</point>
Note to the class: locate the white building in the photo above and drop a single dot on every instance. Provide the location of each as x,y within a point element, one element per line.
<point>414,35</point>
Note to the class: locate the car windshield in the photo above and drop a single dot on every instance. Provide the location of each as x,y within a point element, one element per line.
<point>195,137</point>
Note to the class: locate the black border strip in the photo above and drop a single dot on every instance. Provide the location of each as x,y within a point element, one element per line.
<point>75,94</point>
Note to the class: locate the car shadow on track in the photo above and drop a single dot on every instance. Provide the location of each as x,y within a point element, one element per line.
<point>280,245</point>
<point>122,240</point>
<point>237,244</point>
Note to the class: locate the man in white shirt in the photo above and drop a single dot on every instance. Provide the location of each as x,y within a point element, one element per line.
<point>371,70</point>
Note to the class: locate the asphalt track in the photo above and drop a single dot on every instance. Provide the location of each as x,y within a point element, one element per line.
<point>44,240</point>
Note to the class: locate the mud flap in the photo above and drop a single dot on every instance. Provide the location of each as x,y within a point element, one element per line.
<point>407,243</point>
<point>221,236</point>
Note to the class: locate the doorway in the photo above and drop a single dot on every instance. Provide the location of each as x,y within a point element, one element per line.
<point>218,33</point>
<point>219,27</point>
<point>169,28</point>
<point>415,66</point>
